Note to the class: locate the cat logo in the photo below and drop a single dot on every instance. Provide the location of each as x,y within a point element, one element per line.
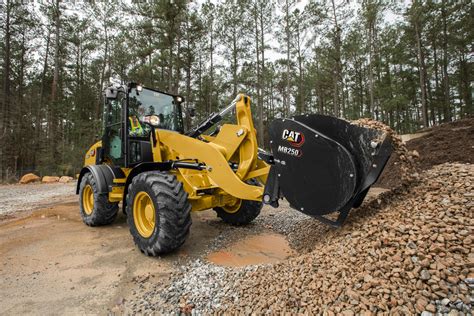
<point>295,139</point>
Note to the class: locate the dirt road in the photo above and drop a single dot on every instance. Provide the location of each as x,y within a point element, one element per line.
<point>51,263</point>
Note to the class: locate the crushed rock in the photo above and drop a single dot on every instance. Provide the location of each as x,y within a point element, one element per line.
<point>16,198</point>
<point>402,169</point>
<point>412,253</point>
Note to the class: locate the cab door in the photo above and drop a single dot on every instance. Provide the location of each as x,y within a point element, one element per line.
<point>113,134</point>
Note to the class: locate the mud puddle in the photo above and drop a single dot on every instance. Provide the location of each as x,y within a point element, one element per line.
<point>260,249</point>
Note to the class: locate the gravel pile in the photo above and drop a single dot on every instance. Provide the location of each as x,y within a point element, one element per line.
<point>23,197</point>
<point>414,255</point>
<point>402,167</point>
<point>407,253</point>
<point>448,142</point>
<point>197,287</point>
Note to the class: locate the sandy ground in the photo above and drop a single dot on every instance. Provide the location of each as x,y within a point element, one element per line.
<point>51,263</point>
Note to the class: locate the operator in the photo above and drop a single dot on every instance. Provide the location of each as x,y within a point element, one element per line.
<point>136,128</point>
<point>136,111</point>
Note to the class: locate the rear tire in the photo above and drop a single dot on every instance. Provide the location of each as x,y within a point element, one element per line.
<point>246,213</point>
<point>96,210</point>
<point>168,227</point>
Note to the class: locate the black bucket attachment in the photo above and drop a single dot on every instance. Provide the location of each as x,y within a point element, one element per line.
<point>323,164</point>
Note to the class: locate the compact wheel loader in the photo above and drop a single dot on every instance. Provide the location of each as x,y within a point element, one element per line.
<point>160,172</point>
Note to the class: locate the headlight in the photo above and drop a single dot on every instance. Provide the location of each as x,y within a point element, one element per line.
<point>139,88</point>
<point>153,120</point>
<point>179,99</point>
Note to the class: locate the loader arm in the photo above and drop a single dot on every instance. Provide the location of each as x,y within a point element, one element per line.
<point>218,169</point>
<point>234,145</point>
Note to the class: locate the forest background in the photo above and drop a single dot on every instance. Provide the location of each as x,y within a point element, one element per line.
<point>406,63</point>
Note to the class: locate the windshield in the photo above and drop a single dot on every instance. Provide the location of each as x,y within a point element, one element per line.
<point>149,102</point>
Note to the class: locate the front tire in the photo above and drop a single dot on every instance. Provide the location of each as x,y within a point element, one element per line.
<point>242,212</point>
<point>158,212</point>
<point>245,213</point>
<point>96,210</point>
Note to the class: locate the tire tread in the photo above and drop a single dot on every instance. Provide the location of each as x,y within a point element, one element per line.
<point>104,212</point>
<point>173,211</point>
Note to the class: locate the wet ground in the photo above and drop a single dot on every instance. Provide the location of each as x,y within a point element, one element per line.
<point>260,249</point>
<point>51,263</point>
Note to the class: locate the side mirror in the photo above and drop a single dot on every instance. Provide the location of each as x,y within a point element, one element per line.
<point>192,112</point>
<point>153,120</point>
<point>111,93</point>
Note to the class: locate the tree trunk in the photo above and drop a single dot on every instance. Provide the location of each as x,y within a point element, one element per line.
<point>53,119</point>
<point>4,127</point>
<point>102,72</point>
<point>201,95</point>
<point>211,84</point>
<point>234,63</point>
<point>378,108</point>
<point>371,71</point>
<point>437,87</point>
<point>466,89</point>
<point>301,107</point>
<point>170,62</point>
<point>262,73</point>
<point>22,148</point>
<point>188,75</point>
<point>446,103</point>
<point>41,104</point>
<point>422,71</point>
<point>54,87</point>
<point>337,70</point>
<point>286,98</point>
<point>178,65</point>
<point>259,103</point>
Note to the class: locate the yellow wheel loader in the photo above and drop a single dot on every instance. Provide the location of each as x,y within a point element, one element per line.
<point>160,172</point>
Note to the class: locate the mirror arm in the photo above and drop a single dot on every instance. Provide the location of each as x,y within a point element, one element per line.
<point>153,135</point>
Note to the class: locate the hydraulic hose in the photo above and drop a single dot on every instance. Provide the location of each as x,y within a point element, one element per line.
<point>213,119</point>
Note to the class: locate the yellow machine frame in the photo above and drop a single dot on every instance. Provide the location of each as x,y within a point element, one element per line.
<point>218,185</point>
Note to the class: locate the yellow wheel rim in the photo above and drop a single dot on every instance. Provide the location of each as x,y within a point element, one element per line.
<point>233,208</point>
<point>144,214</point>
<point>88,199</point>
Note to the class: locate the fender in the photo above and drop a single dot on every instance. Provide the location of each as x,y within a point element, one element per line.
<point>142,167</point>
<point>104,175</point>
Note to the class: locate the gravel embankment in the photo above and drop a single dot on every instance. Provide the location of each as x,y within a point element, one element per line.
<point>22,197</point>
<point>414,255</point>
<point>410,252</point>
